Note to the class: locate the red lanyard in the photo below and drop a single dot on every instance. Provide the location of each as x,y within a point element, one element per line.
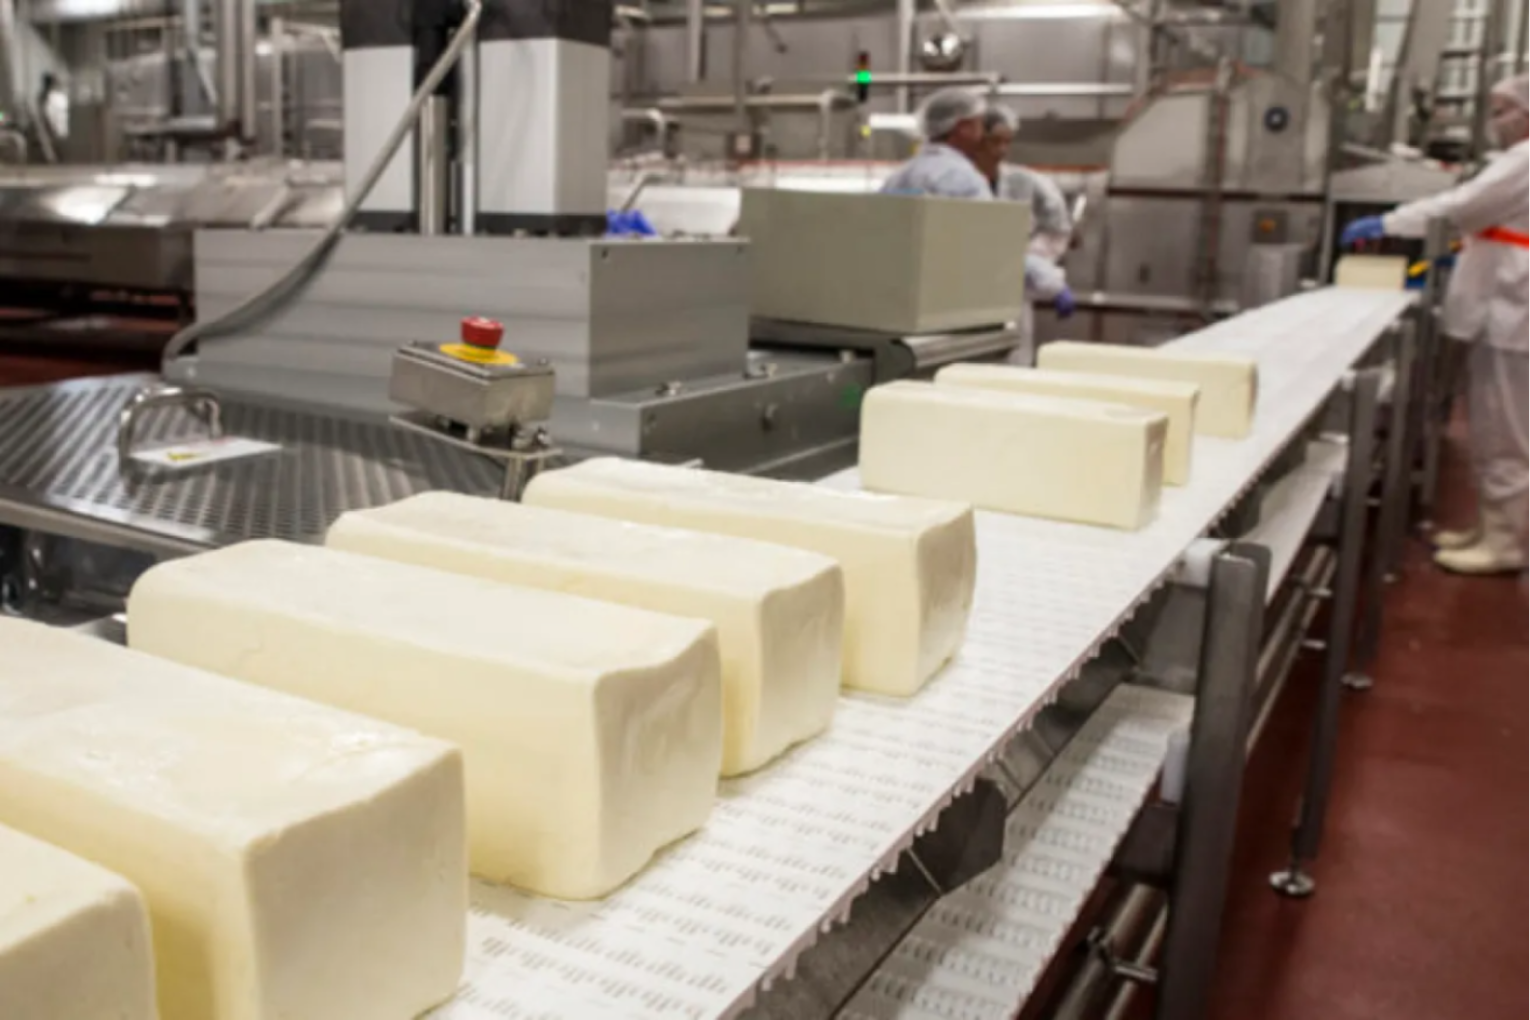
<point>1503,235</point>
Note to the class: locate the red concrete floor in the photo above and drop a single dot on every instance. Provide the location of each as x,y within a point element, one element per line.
<point>1416,915</point>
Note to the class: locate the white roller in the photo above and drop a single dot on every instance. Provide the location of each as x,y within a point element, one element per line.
<point>297,861</point>
<point>74,938</point>
<point>1177,400</point>
<point>779,612</point>
<point>909,564</point>
<point>1229,382</point>
<point>592,732</point>
<point>1068,460</point>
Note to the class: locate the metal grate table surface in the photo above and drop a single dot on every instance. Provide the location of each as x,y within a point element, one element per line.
<point>58,452</point>
<point>728,911</point>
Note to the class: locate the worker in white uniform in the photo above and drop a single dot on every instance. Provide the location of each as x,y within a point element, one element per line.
<point>1051,224</point>
<point>1486,306</point>
<point>951,123</point>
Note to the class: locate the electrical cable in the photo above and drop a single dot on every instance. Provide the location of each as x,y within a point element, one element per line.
<point>264,301</point>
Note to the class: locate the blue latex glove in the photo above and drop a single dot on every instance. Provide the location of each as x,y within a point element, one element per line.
<point>631,223</point>
<point>1064,303</point>
<point>1366,228</point>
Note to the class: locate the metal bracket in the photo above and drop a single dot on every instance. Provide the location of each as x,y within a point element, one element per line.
<point>967,841</point>
<point>200,403</point>
<point>523,451</point>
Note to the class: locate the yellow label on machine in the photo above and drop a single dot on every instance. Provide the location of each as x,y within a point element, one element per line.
<point>479,355</point>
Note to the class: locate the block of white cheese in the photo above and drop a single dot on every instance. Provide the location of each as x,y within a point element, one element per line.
<point>909,564</point>
<point>779,611</point>
<point>1371,272</point>
<point>1229,383</point>
<point>1068,460</point>
<point>591,732</point>
<point>74,938</point>
<point>1177,400</point>
<point>297,861</point>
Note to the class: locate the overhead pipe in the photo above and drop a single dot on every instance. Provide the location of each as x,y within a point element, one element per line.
<point>249,35</point>
<point>741,20</point>
<point>226,60</point>
<point>769,101</point>
<point>695,41</point>
<point>905,51</point>
<point>191,47</point>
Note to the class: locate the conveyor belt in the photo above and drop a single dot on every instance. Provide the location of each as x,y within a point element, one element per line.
<point>728,911</point>
<point>982,948</point>
<point>1292,505</point>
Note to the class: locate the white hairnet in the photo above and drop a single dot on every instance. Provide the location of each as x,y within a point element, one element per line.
<point>997,118</point>
<point>947,108</point>
<point>1516,90</point>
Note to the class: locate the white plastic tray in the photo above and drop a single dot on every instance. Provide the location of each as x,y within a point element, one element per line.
<point>728,911</point>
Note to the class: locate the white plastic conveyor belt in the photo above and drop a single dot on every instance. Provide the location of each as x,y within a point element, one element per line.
<point>1292,505</point>
<point>728,911</point>
<point>980,951</point>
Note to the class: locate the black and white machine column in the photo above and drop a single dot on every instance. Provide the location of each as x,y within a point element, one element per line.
<point>378,66</point>
<point>544,74</point>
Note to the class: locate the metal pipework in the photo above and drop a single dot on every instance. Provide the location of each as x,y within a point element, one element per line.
<point>741,19</point>
<point>662,124</point>
<point>248,37</point>
<point>467,142</point>
<point>769,101</point>
<point>226,59</point>
<point>695,41</point>
<point>905,32</point>
<point>433,166</point>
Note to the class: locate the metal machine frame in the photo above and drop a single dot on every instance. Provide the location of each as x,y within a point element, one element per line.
<point>1219,630</point>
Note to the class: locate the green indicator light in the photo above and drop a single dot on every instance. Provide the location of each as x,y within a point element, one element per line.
<point>863,77</point>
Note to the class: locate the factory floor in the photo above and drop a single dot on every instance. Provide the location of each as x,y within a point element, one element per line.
<point>1416,916</point>
<point>1421,877</point>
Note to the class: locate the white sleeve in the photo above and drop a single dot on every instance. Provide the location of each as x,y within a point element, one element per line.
<point>1043,279</point>
<point>1050,208</point>
<point>1470,207</point>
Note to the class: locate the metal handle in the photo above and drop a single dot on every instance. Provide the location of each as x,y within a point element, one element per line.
<point>200,403</point>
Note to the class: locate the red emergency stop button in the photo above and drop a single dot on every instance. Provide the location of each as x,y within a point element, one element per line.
<point>482,333</point>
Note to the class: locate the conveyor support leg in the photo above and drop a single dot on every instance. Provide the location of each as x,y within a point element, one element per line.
<point>1208,819</point>
<point>1391,522</point>
<point>1308,835</point>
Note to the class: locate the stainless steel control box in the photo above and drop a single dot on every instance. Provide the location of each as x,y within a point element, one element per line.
<point>889,263</point>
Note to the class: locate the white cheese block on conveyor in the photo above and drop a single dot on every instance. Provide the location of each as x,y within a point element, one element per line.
<point>1177,400</point>
<point>1067,460</point>
<point>74,938</point>
<point>1371,272</point>
<point>297,861</point>
<point>909,565</point>
<point>591,732</point>
<point>1229,383</point>
<point>779,612</point>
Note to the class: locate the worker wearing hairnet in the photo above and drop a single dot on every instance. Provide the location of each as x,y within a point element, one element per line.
<point>1486,305</point>
<point>1051,224</point>
<point>951,122</point>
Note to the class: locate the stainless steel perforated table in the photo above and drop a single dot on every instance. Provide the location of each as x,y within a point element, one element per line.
<point>58,464</point>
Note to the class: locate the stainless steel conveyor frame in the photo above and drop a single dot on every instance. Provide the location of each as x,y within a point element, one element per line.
<point>1039,745</point>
